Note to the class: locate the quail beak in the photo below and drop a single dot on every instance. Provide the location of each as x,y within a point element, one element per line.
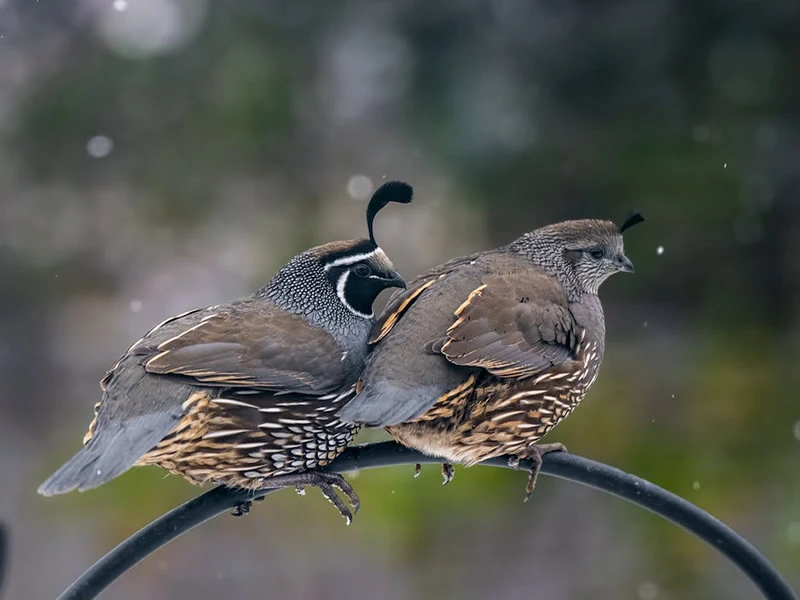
<point>394,280</point>
<point>624,264</point>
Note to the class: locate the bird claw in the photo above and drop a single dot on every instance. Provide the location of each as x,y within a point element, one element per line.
<point>448,472</point>
<point>535,453</point>
<point>326,482</point>
<point>329,492</point>
<point>242,508</point>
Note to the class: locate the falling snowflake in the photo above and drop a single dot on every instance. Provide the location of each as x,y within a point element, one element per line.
<point>99,146</point>
<point>359,187</point>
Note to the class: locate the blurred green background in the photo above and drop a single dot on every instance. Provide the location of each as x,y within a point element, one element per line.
<point>158,155</point>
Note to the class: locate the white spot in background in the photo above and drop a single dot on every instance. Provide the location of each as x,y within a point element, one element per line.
<point>147,28</point>
<point>724,165</point>
<point>647,591</point>
<point>793,533</point>
<point>696,485</point>
<point>136,306</point>
<point>673,396</point>
<point>796,431</point>
<point>646,324</point>
<point>359,187</point>
<point>660,250</point>
<point>99,146</point>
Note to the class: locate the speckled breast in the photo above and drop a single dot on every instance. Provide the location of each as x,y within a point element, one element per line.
<point>242,439</point>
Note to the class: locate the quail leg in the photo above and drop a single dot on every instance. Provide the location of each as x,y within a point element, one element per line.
<point>327,483</point>
<point>534,454</point>
<point>448,472</point>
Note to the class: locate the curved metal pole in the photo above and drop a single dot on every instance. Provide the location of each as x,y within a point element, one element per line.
<point>565,466</point>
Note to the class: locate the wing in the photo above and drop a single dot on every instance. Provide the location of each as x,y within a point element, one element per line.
<point>248,344</point>
<point>403,299</point>
<point>513,326</point>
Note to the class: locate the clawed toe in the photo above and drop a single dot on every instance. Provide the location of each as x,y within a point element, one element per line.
<point>534,454</point>
<point>327,483</point>
<point>448,472</point>
<point>242,508</point>
<point>330,494</point>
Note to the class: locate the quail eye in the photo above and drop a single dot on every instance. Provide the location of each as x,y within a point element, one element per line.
<point>362,270</point>
<point>597,253</point>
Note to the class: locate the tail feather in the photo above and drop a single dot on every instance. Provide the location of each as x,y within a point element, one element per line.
<point>108,454</point>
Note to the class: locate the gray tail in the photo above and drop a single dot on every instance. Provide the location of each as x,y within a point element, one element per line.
<point>108,454</point>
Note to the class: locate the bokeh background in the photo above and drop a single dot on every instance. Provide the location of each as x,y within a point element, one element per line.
<point>158,155</point>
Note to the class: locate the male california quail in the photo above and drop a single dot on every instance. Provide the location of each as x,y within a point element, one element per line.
<point>245,393</point>
<point>483,355</point>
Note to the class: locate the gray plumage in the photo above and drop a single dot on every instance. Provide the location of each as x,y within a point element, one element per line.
<point>485,354</point>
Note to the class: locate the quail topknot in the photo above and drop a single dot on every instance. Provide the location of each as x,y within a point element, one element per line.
<point>483,355</point>
<point>245,393</point>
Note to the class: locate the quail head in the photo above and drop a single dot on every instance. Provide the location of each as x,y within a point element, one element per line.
<point>245,393</point>
<point>483,355</point>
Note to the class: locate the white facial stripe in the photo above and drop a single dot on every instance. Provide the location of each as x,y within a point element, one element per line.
<point>340,285</point>
<point>350,260</point>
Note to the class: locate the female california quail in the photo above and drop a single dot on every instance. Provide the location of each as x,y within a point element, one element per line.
<point>245,393</point>
<point>483,355</point>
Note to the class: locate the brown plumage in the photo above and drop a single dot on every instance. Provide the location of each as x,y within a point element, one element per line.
<point>484,355</point>
<point>245,393</point>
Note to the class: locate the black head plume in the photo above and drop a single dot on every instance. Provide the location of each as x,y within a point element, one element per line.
<point>391,191</point>
<point>632,219</point>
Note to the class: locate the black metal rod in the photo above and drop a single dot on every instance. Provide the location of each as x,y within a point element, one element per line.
<point>565,466</point>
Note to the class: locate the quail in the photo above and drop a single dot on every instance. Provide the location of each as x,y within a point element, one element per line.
<point>245,394</point>
<point>483,355</point>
